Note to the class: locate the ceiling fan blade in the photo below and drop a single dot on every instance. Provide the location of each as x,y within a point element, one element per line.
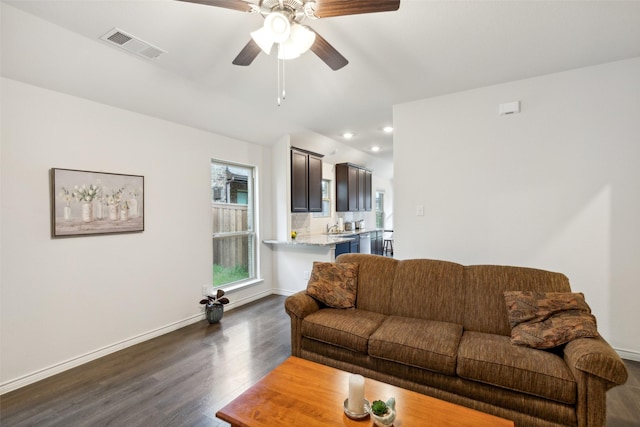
<point>328,8</point>
<point>247,54</point>
<point>328,53</point>
<point>240,5</point>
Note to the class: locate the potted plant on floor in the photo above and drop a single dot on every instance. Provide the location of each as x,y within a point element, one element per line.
<point>214,306</point>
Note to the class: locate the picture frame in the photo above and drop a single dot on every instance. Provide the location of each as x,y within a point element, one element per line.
<point>85,203</point>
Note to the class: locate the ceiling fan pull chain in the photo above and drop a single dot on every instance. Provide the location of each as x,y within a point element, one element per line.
<point>284,82</point>
<point>282,94</point>
<point>278,65</point>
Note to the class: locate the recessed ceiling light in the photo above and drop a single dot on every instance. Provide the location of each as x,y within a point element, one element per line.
<point>348,135</point>
<point>375,148</point>
<point>388,129</point>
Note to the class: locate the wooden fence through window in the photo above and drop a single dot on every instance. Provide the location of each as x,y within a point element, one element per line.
<point>230,251</point>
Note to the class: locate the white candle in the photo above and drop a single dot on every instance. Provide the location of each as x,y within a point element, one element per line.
<point>356,394</point>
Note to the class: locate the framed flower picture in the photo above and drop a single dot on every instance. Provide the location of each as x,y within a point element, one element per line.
<point>87,203</point>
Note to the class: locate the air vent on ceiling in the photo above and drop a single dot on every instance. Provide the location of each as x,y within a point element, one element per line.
<point>119,38</point>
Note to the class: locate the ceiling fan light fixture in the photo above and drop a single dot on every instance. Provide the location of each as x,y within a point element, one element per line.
<point>276,29</point>
<point>278,26</point>
<point>288,50</point>
<point>299,42</point>
<point>263,39</point>
<point>303,37</point>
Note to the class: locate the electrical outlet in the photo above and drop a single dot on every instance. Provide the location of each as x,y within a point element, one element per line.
<point>205,290</point>
<point>306,275</point>
<point>419,210</point>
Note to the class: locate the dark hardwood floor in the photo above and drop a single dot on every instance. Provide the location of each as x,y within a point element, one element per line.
<point>623,402</point>
<point>178,379</point>
<point>184,377</point>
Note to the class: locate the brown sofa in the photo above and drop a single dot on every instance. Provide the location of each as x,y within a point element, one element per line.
<point>442,329</point>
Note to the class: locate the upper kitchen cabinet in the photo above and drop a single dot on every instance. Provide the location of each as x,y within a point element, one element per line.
<point>353,188</point>
<point>306,181</point>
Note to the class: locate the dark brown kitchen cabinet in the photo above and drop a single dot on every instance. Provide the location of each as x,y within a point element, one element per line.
<point>367,191</point>
<point>361,189</point>
<point>353,188</point>
<point>346,188</point>
<point>306,181</point>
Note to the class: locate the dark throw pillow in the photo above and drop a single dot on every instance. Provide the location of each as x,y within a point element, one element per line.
<point>545,320</point>
<point>334,284</point>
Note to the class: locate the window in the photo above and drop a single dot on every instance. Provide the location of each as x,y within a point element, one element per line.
<point>326,200</point>
<point>379,209</point>
<point>233,213</point>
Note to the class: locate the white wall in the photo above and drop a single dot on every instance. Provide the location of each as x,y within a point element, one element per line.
<point>555,187</point>
<point>66,301</point>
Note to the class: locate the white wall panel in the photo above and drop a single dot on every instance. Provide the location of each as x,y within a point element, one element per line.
<point>555,187</point>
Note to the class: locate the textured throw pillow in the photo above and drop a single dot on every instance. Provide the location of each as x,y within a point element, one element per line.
<point>334,284</point>
<point>548,319</point>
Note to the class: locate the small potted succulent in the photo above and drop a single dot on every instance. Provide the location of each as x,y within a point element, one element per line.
<point>214,306</point>
<point>383,413</point>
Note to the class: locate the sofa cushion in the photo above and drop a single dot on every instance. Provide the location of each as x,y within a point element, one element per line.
<point>334,284</point>
<point>491,359</point>
<point>484,299</point>
<point>428,344</point>
<point>428,289</point>
<point>548,319</point>
<point>375,281</point>
<point>349,329</point>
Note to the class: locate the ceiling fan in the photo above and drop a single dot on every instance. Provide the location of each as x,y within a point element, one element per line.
<point>283,25</point>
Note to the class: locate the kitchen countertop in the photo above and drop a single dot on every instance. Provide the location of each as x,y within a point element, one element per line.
<point>312,240</point>
<point>321,239</point>
<point>358,231</point>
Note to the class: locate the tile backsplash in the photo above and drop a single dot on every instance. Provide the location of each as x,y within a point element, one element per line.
<point>305,223</point>
<point>301,222</point>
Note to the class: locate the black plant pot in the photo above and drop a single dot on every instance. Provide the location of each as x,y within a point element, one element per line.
<point>214,313</point>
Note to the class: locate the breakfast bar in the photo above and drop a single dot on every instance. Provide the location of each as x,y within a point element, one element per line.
<point>295,257</point>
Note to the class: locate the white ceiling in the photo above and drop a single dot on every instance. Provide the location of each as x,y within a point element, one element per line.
<point>426,49</point>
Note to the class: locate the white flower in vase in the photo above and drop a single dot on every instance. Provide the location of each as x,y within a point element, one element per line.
<point>66,196</point>
<point>97,208</point>
<point>86,194</point>
<point>133,203</point>
<point>124,211</point>
<point>98,202</point>
<point>114,212</point>
<point>87,211</point>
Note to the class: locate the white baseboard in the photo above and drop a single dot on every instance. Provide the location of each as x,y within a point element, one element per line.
<point>96,354</point>
<point>284,292</point>
<point>628,354</point>
<point>88,357</point>
<point>240,302</point>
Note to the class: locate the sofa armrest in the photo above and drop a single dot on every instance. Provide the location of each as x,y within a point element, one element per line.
<point>596,357</point>
<point>300,305</point>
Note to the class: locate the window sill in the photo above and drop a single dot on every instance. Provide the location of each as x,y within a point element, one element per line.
<point>240,285</point>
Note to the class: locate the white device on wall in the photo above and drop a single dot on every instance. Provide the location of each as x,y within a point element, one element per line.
<point>509,108</point>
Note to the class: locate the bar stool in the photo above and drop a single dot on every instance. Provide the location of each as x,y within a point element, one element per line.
<point>387,245</point>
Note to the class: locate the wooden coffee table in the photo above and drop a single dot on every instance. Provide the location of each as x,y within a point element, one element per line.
<point>304,393</point>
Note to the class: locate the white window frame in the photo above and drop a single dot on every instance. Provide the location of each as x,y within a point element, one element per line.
<point>326,201</point>
<point>252,230</point>
<point>379,212</point>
